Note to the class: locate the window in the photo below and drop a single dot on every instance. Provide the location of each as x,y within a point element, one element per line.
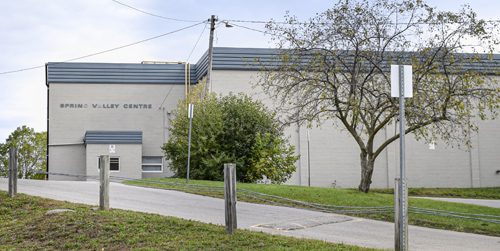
<point>152,164</point>
<point>114,164</point>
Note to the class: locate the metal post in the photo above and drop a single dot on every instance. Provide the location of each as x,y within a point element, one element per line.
<point>299,149</point>
<point>402,243</point>
<point>190,116</point>
<point>12,172</point>
<point>230,197</point>
<point>397,201</point>
<point>104,182</point>
<point>308,160</point>
<point>210,53</point>
<point>397,226</point>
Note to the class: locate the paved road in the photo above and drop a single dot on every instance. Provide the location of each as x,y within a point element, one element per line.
<point>265,218</point>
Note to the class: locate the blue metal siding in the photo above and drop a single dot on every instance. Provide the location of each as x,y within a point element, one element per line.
<point>245,59</point>
<point>113,137</point>
<point>224,58</point>
<point>117,73</point>
<point>202,66</point>
<point>227,58</point>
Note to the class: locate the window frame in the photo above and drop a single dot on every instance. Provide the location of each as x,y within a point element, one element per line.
<point>152,164</point>
<point>110,170</point>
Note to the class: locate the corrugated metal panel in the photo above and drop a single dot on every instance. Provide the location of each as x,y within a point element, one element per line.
<point>113,137</point>
<point>118,73</point>
<point>255,58</point>
<point>202,66</point>
<point>224,58</point>
<point>241,58</point>
<point>229,58</point>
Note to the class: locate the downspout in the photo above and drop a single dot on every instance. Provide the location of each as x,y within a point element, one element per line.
<point>471,166</point>
<point>299,150</point>
<point>387,159</point>
<point>47,84</point>
<point>186,88</point>
<point>164,129</point>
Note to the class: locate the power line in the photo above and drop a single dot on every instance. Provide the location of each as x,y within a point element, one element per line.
<point>248,28</point>
<point>235,21</point>
<point>328,23</point>
<point>249,21</point>
<point>178,76</point>
<point>154,15</point>
<point>106,51</point>
<point>203,31</point>
<point>224,21</point>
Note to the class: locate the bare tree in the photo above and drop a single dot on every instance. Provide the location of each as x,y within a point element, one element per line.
<point>336,67</point>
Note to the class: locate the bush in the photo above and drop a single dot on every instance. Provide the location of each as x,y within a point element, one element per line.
<point>229,129</point>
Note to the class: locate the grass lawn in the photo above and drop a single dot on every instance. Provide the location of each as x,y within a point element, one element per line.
<point>24,226</point>
<point>379,198</point>
<point>492,193</point>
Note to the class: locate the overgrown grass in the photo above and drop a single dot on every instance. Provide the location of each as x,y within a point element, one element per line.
<point>352,197</point>
<point>24,226</point>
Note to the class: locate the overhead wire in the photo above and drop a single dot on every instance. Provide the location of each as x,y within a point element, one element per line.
<point>248,28</point>
<point>142,41</point>
<point>249,21</point>
<point>106,51</point>
<point>241,21</point>
<point>173,19</point>
<point>194,47</point>
<point>154,15</point>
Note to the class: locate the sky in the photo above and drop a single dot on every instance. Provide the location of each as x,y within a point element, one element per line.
<point>35,32</point>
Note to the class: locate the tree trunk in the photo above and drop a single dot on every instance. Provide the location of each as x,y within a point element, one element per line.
<point>367,163</point>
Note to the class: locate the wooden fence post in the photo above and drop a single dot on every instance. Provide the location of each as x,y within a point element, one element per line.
<point>104,182</point>
<point>230,197</point>
<point>12,172</point>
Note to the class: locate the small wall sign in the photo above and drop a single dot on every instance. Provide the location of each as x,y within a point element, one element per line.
<point>112,148</point>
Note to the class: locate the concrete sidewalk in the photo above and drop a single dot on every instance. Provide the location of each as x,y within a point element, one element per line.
<point>270,219</point>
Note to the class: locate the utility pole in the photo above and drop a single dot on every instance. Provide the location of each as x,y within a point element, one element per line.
<point>210,53</point>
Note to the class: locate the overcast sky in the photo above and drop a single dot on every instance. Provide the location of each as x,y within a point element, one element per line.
<point>35,32</point>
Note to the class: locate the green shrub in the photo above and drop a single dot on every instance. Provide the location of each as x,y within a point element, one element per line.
<point>229,129</point>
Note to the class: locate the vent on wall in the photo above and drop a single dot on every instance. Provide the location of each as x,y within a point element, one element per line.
<point>113,137</point>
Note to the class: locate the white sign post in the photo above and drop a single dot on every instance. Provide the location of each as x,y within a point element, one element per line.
<point>190,116</point>
<point>401,86</point>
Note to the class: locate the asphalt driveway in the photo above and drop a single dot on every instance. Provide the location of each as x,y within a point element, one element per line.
<point>270,219</point>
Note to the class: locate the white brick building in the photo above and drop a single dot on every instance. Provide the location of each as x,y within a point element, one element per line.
<point>96,108</point>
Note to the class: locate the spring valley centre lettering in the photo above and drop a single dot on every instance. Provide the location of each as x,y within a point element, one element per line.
<point>107,106</point>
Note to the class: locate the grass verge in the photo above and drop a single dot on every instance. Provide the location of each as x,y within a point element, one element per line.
<point>24,226</point>
<point>492,193</point>
<point>352,197</point>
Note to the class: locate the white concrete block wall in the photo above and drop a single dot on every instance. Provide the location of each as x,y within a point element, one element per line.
<point>68,125</point>
<point>487,157</point>
<point>335,155</point>
<point>72,163</point>
<point>130,156</point>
